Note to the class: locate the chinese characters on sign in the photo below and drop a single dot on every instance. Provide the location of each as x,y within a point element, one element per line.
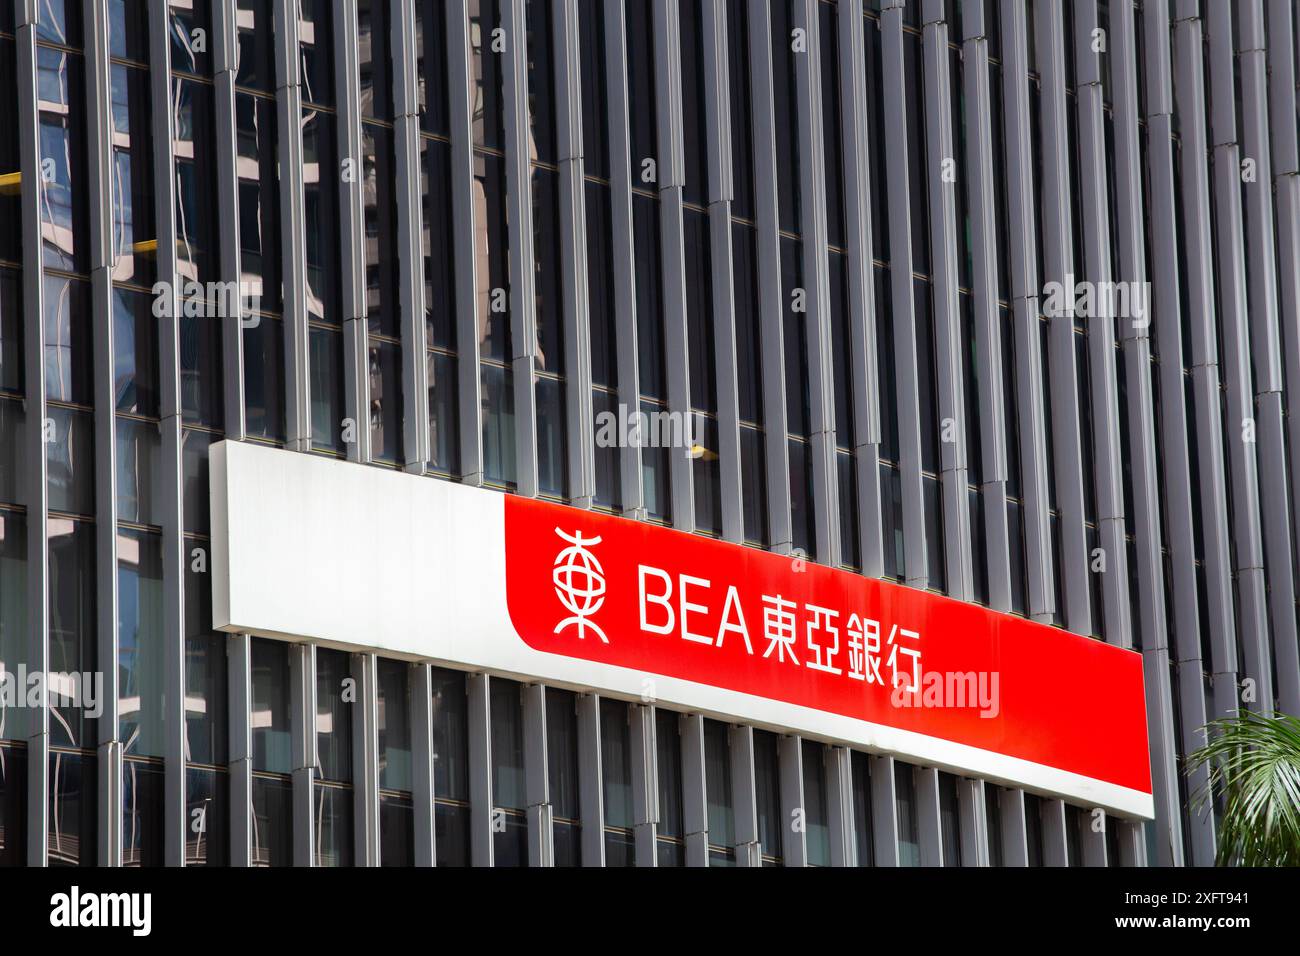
<point>791,630</point>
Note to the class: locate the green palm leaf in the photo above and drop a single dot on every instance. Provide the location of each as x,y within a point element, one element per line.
<point>1254,768</point>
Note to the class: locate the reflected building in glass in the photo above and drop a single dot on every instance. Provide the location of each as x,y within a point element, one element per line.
<point>451,237</point>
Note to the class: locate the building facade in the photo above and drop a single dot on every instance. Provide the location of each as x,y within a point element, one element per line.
<point>991,300</point>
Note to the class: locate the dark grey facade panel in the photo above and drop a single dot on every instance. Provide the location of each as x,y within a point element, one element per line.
<point>1151,458</point>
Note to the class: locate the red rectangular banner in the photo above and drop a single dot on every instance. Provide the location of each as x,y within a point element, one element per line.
<point>666,603</point>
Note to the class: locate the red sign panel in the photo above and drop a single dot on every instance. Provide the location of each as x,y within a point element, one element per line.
<point>663,602</point>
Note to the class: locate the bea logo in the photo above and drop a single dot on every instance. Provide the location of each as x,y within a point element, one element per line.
<point>579,582</point>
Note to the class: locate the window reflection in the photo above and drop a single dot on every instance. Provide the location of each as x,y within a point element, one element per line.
<point>320,201</point>
<point>140,649</point>
<point>717,788</point>
<point>509,797</point>
<point>207,809</point>
<point>71,839</point>
<point>562,773</point>
<point>13,806</point>
<point>187,53</point>
<point>259,213</point>
<point>396,813</point>
<point>60,84</point>
<point>143,813</point>
<point>134,242</point>
<point>671,833</point>
<point>193,152</point>
<point>450,713</point>
<point>72,640</point>
<point>272,837</point>
<point>616,773</point>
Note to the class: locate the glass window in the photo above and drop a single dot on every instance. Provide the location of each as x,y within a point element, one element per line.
<point>396,830</point>
<point>141,653</point>
<point>333,818</point>
<point>201,372</point>
<point>143,813</point>
<point>60,22</point>
<point>493,250</point>
<point>767,781</point>
<point>11,217</point>
<point>699,311</point>
<point>914,99</point>
<point>73,831</point>
<point>13,620</point>
<point>668,759</point>
<point>817,837</point>
<point>862,822</point>
<point>320,209</point>
<point>205,671</point>
<point>194,473</point>
<point>316,47</point>
<point>334,684</point>
<point>443,424</point>
<point>70,456</point>
<point>207,809</point>
<point>194,154</point>
<point>949,819</point>
<point>272,821</point>
<point>1034,829</point>
<point>694,126</point>
<point>270,715</point>
<point>263,375</point>
<point>993,815</point>
<point>72,641</point>
<point>541,81</point>
<point>909,845</point>
<point>827,23</point>
<point>394,725</point>
<point>61,98</point>
<point>509,796</point>
<point>255,54</point>
<point>431,55</point>
<point>11,320</point>
<point>595,108</point>
<point>134,239</point>
<point>451,766</point>
<point>794,327</point>
<point>396,812</point>
<point>934,539</point>
<point>486,48</point>
<point>742,122</point>
<point>138,476</point>
<point>562,772</point>
<point>13,806</point>
<point>259,202</point>
<point>438,246</point>
<point>326,369</point>
<point>135,348</point>
<point>385,401</point>
<point>717,788</point>
<point>498,399</point>
<point>641,87</point>
<point>69,361</point>
<point>190,21</point>
<point>616,770</point>
<point>785,102</point>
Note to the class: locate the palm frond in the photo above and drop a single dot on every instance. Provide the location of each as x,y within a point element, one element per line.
<point>1254,768</point>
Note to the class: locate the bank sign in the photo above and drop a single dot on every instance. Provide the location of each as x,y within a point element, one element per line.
<point>360,557</point>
